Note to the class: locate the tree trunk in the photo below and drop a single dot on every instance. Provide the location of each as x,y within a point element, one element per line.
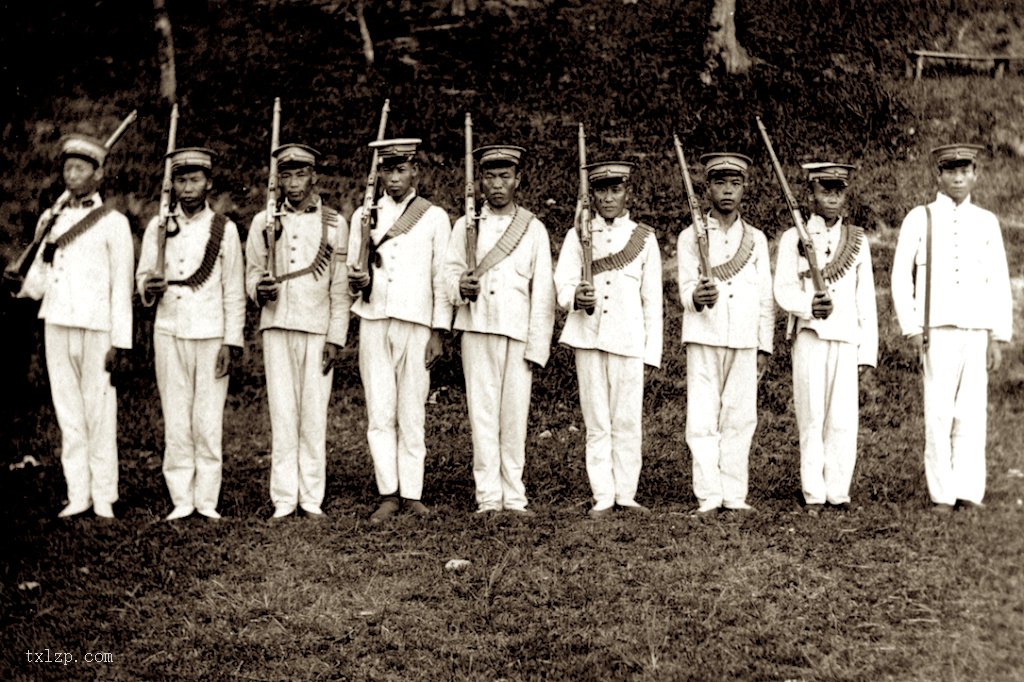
<point>721,46</point>
<point>165,53</point>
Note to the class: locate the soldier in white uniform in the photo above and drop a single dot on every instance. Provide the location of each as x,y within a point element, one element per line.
<point>83,275</point>
<point>304,320</point>
<point>199,290</point>
<point>505,309</point>
<point>403,309</point>
<point>728,324</point>
<point>616,341</point>
<point>969,321</point>
<point>835,333</point>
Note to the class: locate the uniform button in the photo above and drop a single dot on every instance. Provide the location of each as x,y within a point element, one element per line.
<point>293,261</point>
<point>492,293</point>
<point>730,295</point>
<point>606,298</point>
<point>605,312</point>
<point>607,284</point>
<point>390,280</point>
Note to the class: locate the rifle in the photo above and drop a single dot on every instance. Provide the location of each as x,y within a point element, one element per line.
<point>165,195</point>
<point>798,220</point>
<point>17,270</point>
<point>272,215</point>
<point>369,215</point>
<point>472,217</point>
<point>586,241</point>
<point>699,228</point>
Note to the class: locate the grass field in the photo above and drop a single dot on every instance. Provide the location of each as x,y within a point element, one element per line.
<point>888,591</point>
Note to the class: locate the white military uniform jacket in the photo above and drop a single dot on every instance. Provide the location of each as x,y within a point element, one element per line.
<point>317,305</point>
<point>89,283</point>
<point>628,300</point>
<point>216,309</point>
<point>744,315</point>
<point>971,284</point>
<point>408,286</point>
<point>854,317</point>
<point>517,295</point>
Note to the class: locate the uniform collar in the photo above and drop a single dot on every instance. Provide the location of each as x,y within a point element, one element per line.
<point>714,224</point>
<point>599,224</point>
<point>401,204</point>
<point>91,201</point>
<point>313,207</point>
<point>488,211</point>
<point>179,213</point>
<point>945,202</point>
<point>816,224</point>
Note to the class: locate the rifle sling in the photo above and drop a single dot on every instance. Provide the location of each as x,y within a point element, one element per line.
<point>507,243</point>
<point>628,254</point>
<point>76,231</point>
<point>328,219</point>
<point>850,239</point>
<point>205,269</point>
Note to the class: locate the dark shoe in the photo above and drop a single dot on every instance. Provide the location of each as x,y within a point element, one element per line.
<point>522,513</point>
<point>967,505</point>
<point>386,509</point>
<point>600,513</point>
<point>635,509</point>
<point>942,509</point>
<point>416,507</point>
<point>813,509</point>
<point>840,507</point>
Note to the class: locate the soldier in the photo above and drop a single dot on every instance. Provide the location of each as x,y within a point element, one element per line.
<point>83,275</point>
<point>835,333</point>
<point>304,320</point>
<point>728,344</point>
<point>403,311</point>
<point>612,344</point>
<point>505,309</point>
<point>199,289</point>
<point>958,317</point>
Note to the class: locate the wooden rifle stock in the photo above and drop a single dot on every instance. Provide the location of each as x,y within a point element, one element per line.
<point>472,217</point>
<point>272,211</point>
<point>165,195</point>
<point>369,215</point>
<point>794,209</point>
<point>20,267</point>
<point>700,230</point>
<point>585,235</point>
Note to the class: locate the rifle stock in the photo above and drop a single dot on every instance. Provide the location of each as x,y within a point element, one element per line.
<point>586,238</point>
<point>272,213</point>
<point>472,217</point>
<point>700,230</point>
<point>369,215</point>
<point>18,269</point>
<point>798,219</point>
<point>165,195</point>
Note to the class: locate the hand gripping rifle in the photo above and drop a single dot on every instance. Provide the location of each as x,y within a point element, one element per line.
<point>369,215</point>
<point>586,240</point>
<point>165,195</point>
<point>472,217</point>
<point>19,268</point>
<point>798,220</point>
<point>699,228</point>
<point>272,214</point>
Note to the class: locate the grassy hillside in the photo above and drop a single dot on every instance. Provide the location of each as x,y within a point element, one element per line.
<point>885,592</point>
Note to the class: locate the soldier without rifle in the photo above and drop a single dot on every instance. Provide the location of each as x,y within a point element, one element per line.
<point>836,332</point>
<point>505,309</point>
<point>400,324</point>
<point>616,341</point>
<point>199,291</point>
<point>83,275</point>
<point>304,320</point>
<point>959,316</point>
<point>728,324</point>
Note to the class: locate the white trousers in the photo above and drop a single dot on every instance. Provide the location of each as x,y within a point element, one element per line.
<point>825,393</point>
<point>86,408</point>
<point>193,407</point>
<point>955,413</point>
<point>498,383</point>
<point>298,393</point>
<point>392,364</point>
<point>611,398</point>
<point>721,416</point>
